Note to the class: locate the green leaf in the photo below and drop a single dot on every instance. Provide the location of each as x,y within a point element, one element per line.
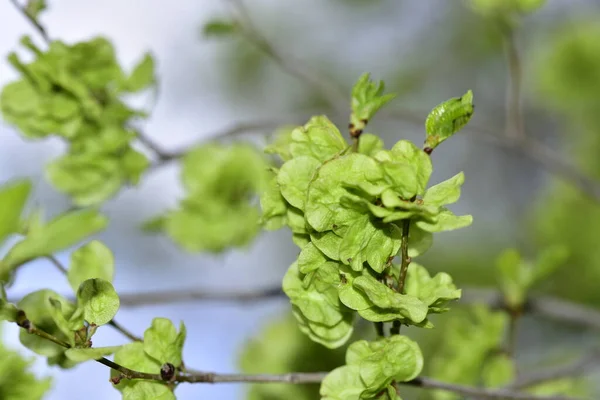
<point>349,295</point>
<point>404,306</point>
<point>444,193</point>
<point>274,207</point>
<point>144,390</point>
<point>294,177</point>
<point>8,311</point>
<point>445,221</point>
<point>142,76</point>
<point>13,197</point>
<point>310,259</point>
<point>477,329</point>
<point>218,212</point>
<point>99,301</point>
<point>369,144</point>
<point>86,354</point>
<point>61,233</point>
<point>33,8</point>
<point>343,383</point>
<point>163,343</point>
<point>219,28</point>
<point>448,118</point>
<point>548,261</point>
<point>318,300</point>
<point>407,168</point>
<point>17,378</point>
<point>498,371</point>
<point>434,292</point>
<point>38,309</point>
<point>319,139</point>
<point>93,260</point>
<point>372,367</point>
<point>132,356</point>
<point>88,178</point>
<point>316,305</point>
<point>367,99</point>
<point>323,209</point>
<point>419,241</point>
<point>60,313</point>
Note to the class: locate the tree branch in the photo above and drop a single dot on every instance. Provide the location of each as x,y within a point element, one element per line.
<point>34,22</point>
<point>333,94</point>
<point>582,366</point>
<point>291,378</point>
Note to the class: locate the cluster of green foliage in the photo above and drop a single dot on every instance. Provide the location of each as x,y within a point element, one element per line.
<point>358,212</point>
<point>75,92</point>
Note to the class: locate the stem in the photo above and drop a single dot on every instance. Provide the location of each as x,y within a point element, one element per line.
<point>403,269</point>
<point>404,254</point>
<point>379,329</point>
<point>124,331</point>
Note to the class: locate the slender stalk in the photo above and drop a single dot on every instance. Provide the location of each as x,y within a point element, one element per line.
<point>125,332</point>
<point>405,261</point>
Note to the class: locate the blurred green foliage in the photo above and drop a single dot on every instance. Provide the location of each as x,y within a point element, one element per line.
<point>17,382</point>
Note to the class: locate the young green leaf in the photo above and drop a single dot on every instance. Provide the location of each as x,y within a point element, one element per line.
<point>446,192</point>
<point>404,306</point>
<point>294,177</point>
<point>8,311</point>
<point>367,99</point>
<point>448,118</point>
<point>93,260</point>
<point>274,207</point>
<point>37,308</point>
<point>319,138</point>
<point>163,343</point>
<point>145,390</point>
<point>132,355</point>
<point>436,292</point>
<point>445,221</point>
<point>17,378</point>
<point>99,301</point>
<point>62,232</point>
<point>343,383</point>
<point>92,353</point>
<point>142,76</point>
<point>13,197</point>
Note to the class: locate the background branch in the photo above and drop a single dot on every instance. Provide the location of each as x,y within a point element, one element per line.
<point>321,84</point>
<point>34,22</point>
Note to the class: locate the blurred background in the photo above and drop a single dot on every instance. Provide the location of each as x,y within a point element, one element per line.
<point>426,52</point>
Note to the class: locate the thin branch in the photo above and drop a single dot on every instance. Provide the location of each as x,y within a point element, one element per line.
<point>291,378</point>
<point>514,112</point>
<point>545,306</point>
<point>324,85</point>
<point>125,332</point>
<point>580,367</point>
<point>57,264</point>
<point>34,22</point>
